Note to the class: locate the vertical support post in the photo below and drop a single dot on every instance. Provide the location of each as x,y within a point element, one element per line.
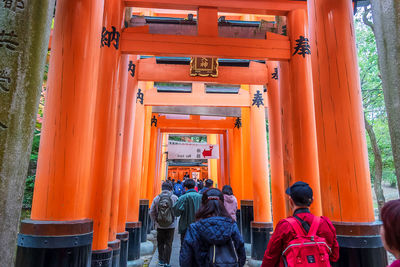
<point>303,115</point>
<point>285,99</point>
<point>163,170</point>
<point>262,224</point>
<point>247,192</point>
<point>22,63</point>
<point>343,157</point>
<point>212,163</point>
<point>133,226</point>
<point>219,164</point>
<point>237,159</point>
<point>146,152</point>
<point>65,149</point>
<point>105,128</point>
<point>132,90</point>
<point>275,144</point>
<point>152,158</point>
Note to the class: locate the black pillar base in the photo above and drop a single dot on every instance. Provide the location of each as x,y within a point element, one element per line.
<point>134,230</point>
<point>238,220</point>
<point>54,243</point>
<point>102,258</point>
<point>143,218</point>
<point>360,245</point>
<point>246,216</point>
<point>260,235</point>
<point>123,256</point>
<point>116,248</point>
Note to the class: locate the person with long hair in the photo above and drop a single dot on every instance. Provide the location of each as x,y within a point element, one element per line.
<point>213,228</point>
<point>230,201</point>
<point>390,232</point>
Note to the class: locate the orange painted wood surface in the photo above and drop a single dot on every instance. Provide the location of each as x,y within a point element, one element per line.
<point>259,161</point>
<point>119,146</point>
<point>136,164</point>
<point>227,123</point>
<point>146,152</point>
<point>343,155</point>
<point>247,171</point>
<point>269,7</point>
<point>126,170</point>
<point>284,84</point>
<point>198,98</point>
<point>149,70</point>
<point>275,146</point>
<point>207,21</point>
<point>180,45</point>
<point>63,174</point>
<point>237,161</point>
<point>152,161</point>
<point>305,149</point>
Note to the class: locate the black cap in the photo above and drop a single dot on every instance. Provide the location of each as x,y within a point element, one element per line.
<point>301,193</point>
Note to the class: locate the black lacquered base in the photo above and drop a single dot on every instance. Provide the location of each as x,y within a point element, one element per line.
<point>116,248</point>
<point>238,220</point>
<point>134,230</point>
<point>260,235</point>
<point>123,256</point>
<point>102,258</point>
<point>360,245</point>
<point>246,217</point>
<point>144,218</point>
<point>54,243</point>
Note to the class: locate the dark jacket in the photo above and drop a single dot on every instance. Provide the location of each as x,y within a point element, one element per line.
<point>206,232</point>
<point>186,207</point>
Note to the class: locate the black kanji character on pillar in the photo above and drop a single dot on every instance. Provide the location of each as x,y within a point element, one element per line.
<point>132,68</point>
<point>154,121</point>
<point>4,80</point>
<point>238,123</point>
<point>8,40</point>
<point>302,47</point>
<point>139,96</point>
<point>108,37</point>
<point>275,74</point>
<point>258,99</point>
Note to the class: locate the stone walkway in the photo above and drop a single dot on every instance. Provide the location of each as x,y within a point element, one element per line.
<point>176,246</point>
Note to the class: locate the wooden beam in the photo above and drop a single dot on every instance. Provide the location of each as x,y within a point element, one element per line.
<point>265,7</point>
<point>202,46</point>
<point>223,124</point>
<point>149,70</point>
<point>191,131</point>
<point>198,98</point>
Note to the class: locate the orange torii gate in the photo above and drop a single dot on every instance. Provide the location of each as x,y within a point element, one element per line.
<point>96,133</point>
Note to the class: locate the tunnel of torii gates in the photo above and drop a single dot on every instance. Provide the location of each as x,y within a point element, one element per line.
<point>101,154</point>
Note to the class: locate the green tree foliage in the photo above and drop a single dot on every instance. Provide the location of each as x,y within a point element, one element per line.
<point>373,99</point>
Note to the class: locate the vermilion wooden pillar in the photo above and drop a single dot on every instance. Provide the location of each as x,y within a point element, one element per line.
<point>61,194</point>
<point>287,133</point>
<point>343,157</point>
<point>146,151</point>
<point>305,150</point>
<point>133,226</point>
<point>262,224</point>
<point>152,158</point>
<point>105,128</point>
<point>247,171</point>
<point>275,144</point>
<point>126,158</point>
<point>237,161</point>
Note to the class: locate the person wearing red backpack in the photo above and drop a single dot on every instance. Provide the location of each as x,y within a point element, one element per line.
<point>302,239</point>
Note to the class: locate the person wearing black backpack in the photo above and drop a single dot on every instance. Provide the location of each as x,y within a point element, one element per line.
<point>302,239</point>
<point>214,239</point>
<point>162,215</point>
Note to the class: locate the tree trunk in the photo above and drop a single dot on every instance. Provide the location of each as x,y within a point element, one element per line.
<point>380,198</point>
<point>24,31</point>
<point>386,16</point>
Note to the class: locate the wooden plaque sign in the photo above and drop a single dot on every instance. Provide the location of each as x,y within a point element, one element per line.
<point>204,66</point>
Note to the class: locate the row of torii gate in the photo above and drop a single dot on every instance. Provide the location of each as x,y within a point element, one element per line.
<point>101,152</point>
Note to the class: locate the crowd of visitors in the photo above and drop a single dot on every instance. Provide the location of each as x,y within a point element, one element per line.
<point>210,236</point>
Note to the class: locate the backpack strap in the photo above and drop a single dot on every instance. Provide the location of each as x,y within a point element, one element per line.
<point>314,226</point>
<point>296,226</point>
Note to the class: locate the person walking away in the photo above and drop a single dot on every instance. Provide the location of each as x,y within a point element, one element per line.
<point>162,215</point>
<point>178,188</point>
<point>208,184</point>
<point>186,207</point>
<point>230,201</point>
<point>200,185</point>
<point>390,232</point>
<point>300,232</point>
<point>214,239</point>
